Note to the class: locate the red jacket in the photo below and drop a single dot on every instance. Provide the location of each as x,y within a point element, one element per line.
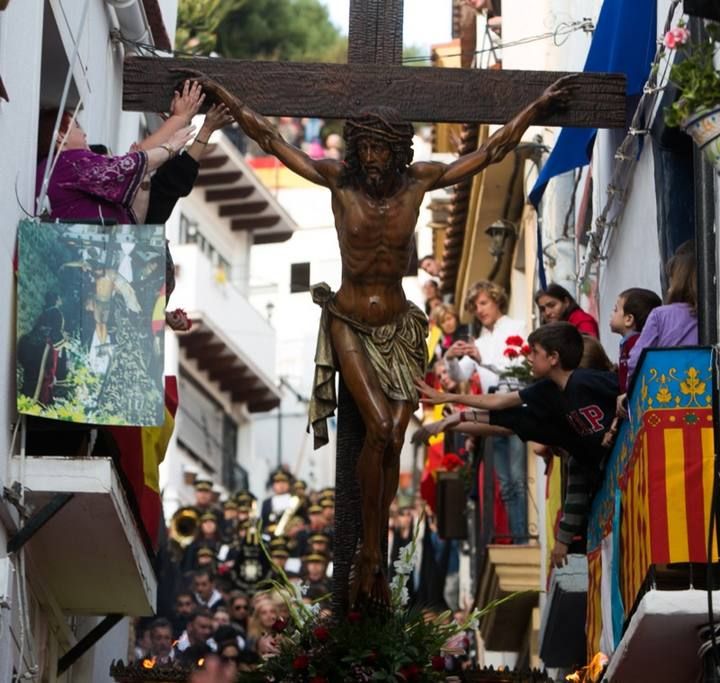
<point>585,323</point>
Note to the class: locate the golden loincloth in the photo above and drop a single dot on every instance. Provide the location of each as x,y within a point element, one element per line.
<point>396,350</point>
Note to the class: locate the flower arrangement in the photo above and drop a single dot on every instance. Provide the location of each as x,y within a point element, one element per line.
<point>695,76</point>
<point>397,644</point>
<point>518,367</point>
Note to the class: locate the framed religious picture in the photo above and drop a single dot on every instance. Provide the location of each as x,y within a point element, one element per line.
<point>90,322</point>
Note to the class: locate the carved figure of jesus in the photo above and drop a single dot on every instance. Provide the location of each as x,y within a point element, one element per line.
<point>369,331</point>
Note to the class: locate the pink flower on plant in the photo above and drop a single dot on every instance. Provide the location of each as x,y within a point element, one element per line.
<point>676,37</point>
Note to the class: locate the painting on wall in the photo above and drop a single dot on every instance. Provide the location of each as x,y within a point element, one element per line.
<point>90,321</point>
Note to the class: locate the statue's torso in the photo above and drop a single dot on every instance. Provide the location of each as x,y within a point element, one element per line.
<point>376,242</point>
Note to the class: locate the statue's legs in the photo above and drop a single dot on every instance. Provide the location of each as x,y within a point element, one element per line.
<point>401,412</point>
<point>379,418</point>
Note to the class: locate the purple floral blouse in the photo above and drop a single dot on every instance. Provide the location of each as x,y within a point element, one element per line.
<point>89,186</point>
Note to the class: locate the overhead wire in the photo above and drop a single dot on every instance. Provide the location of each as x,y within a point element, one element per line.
<point>562,29</point>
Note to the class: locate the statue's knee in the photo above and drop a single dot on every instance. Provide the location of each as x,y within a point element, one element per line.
<point>379,432</point>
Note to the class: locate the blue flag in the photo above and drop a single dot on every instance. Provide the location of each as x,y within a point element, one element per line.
<point>624,41</point>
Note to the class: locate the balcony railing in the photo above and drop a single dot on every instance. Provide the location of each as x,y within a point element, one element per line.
<point>654,506</point>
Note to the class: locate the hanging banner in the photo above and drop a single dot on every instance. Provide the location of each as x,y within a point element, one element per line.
<point>89,349</point>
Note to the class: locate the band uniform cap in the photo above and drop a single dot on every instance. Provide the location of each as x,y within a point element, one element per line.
<point>315,557</point>
<point>327,502</point>
<point>280,475</point>
<point>244,507</point>
<point>300,484</point>
<point>319,538</point>
<point>278,542</point>
<point>315,510</point>
<point>230,505</point>
<point>203,485</point>
<point>207,516</point>
<point>205,552</point>
<point>279,552</point>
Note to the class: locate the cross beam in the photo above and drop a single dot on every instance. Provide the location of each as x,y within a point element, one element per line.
<point>339,91</point>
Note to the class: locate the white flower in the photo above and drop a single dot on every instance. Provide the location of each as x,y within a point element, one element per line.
<point>404,597</point>
<point>403,568</point>
<point>406,562</point>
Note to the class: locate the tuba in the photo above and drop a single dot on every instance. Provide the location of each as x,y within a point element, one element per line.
<point>183,525</point>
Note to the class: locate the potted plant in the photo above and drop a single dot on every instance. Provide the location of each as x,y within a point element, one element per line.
<point>697,110</point>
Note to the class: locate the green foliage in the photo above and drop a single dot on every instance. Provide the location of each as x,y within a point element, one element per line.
<point>289,30</point>
<point>40,258</point>
<point>198,22</point>
<point>695,76</point>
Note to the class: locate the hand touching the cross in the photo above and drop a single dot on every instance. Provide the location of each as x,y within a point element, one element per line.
<point>186,103</point>
<point>558,95</point>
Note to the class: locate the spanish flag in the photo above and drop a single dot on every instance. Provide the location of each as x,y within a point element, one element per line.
<point>141,450</point>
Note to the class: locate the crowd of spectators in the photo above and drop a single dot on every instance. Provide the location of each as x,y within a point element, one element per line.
<point>222,563</point>
<point>555,387</point>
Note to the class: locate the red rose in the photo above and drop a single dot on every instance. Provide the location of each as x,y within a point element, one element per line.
<point>321,633</point>
<point>438,663</point>
<point>451,462</point>
<point>301,662</point>
<point>411,672</point>
<point>354,617</point>
<point>510,352</point>
<point>525,350</point>
<point>279,625</point>
<point>515,340</point>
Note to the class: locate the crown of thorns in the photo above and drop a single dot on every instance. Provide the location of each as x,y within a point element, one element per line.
<point>378,126</point>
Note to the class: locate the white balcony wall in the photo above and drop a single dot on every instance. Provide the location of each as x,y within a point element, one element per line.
<point>224,308</point>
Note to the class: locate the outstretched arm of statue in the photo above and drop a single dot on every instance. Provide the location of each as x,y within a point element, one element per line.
<point>258,128</point>
<point>506,138</point>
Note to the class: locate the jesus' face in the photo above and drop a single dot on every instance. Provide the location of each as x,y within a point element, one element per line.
<point>376,161</point>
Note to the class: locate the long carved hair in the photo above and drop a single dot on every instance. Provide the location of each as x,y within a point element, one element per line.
<point>384,123</point>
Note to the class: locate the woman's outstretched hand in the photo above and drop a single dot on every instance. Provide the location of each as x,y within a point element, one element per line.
<point>431,396</point>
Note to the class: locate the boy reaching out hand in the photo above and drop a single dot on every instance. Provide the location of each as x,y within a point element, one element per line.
<point>568,407</point>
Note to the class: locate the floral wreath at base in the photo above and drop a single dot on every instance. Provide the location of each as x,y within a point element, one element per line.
<point>396,644</point>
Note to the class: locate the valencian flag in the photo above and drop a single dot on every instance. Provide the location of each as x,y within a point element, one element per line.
<point>141,450</point>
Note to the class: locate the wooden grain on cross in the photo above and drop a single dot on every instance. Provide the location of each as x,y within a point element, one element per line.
<point>339,91</point>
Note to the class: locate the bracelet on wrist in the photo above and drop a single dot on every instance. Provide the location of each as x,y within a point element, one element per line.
<point>169,149</point>
<point>201,142</point>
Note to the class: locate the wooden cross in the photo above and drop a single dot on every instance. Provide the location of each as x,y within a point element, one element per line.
<point>374,75</point>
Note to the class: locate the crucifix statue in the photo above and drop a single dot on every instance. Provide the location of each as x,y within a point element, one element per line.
<point>369,331</point>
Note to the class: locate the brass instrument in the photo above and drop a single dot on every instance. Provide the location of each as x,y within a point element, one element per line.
<point>183,525</point>
<point>295,503</point>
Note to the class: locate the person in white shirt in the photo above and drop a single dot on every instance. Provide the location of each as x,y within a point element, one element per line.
<point>488,302</point>
<point>206,595</point>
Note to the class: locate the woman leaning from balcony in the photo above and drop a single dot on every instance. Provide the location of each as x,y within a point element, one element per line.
<point>84,185</point>
<point>556,303</point>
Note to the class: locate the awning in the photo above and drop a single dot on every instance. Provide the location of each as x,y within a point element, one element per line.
<point>228,367</point>
<point>242,201</point>
<point>497,193</point>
